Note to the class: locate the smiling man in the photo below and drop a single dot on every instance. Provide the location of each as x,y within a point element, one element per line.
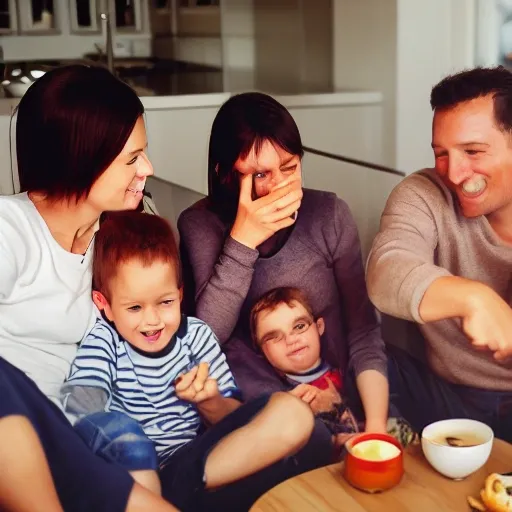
<point>443,259</point>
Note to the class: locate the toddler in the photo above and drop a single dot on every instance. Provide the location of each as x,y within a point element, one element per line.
<point>284,328</point>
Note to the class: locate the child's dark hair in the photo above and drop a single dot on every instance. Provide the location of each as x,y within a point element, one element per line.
<point>274,298</point>
<point>131,235</point>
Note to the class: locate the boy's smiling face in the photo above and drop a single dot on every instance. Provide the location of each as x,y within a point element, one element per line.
<point>289,337</point>
<point>145,304</point>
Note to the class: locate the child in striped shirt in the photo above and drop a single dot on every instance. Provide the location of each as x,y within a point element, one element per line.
<point>152,388</point>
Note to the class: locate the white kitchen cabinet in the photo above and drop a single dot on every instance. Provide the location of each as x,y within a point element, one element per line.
<point>75,30</point>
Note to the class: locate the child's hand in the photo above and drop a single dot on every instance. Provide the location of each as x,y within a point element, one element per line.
<point>320,400</point>
<point>326,399</point>
<point>195,386</point>
<point>305,392</point>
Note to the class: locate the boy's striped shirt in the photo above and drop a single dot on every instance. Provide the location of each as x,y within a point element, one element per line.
<point>142,386</point>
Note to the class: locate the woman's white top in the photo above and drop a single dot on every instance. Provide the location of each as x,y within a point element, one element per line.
<point>45,296</point>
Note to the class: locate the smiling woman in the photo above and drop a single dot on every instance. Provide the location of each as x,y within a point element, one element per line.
<point>80,140</point>
<point>258,229</point>
<point>96,138</point>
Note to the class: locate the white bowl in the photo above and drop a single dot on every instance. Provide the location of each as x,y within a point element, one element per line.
<point>456,462</point>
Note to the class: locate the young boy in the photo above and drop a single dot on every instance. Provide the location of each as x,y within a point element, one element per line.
<point>284,328</point>
<point>146,362</point>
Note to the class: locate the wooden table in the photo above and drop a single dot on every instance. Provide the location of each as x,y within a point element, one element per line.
<point>422,489</point>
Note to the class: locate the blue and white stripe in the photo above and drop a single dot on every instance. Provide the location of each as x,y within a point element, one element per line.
<point>143,387</point>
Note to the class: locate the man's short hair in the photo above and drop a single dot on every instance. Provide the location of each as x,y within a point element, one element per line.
<point>476,83</point>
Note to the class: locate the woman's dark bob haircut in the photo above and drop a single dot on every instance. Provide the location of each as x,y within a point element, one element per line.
<point>71,125</point>
<point>244,121</point>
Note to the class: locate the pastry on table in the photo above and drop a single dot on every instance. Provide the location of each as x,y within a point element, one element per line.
<point>496,496</point>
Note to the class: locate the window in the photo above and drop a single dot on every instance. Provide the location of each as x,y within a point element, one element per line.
<point>84,16</point>
<point>7,16</point>
<point>37,16</point>
<point>127,15</point>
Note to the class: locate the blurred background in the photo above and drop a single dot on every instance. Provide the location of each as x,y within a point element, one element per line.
<point>355,74</point>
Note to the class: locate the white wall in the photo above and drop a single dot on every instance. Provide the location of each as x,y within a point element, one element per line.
<point>292,53</point>
<point>178,145</point>
<point>317,71</point>
<point>198,50</point>
<point>489,19</point>
<point>238,52</point>
<point>6,183</point>
<point>71,46</point>
<point>402,48</point>
<point>364,56</point>
<point>435,38</point>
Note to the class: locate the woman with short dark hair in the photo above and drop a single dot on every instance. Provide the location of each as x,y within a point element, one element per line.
<point>258,229</point>
<point>81,144</point>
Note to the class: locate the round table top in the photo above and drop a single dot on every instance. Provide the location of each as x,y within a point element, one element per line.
<point>422,489</point>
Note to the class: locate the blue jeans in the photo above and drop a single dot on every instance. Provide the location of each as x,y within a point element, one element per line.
<point>83,481</point>
<point>423,397</point>
<point>117,438</point>
<point>121,440</point>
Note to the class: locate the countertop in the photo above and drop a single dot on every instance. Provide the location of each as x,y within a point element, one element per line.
<point>182,101</point>
<point>166,85</point>
<point>288,100</point>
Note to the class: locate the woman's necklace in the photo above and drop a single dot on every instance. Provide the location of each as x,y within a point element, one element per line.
<point>87,248</point>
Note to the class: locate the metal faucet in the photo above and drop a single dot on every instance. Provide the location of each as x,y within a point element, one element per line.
<point>108,43</point>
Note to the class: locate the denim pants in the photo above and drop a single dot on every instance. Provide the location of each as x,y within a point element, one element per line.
<point>84,482</point>
<point>423,397</point>
<point>119,439</point>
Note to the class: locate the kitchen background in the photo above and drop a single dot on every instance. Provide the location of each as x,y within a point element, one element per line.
<point>355,74</point>
<point>164,47</point>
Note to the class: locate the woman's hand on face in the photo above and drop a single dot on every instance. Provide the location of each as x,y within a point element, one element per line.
<point>257,220</point>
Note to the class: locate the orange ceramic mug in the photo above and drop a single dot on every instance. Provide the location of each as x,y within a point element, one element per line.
<point>373,476</point>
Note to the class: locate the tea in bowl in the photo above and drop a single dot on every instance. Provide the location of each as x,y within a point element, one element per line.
<point>456,448</point>
<point>374,462</point>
